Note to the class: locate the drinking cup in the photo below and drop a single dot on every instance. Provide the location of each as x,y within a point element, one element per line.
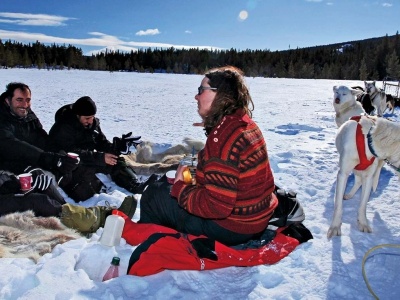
<point>25,181</point>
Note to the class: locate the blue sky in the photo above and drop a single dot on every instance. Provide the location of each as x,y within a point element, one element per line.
<point>93,25</point>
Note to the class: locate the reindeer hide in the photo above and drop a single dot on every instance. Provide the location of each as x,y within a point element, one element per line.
<point>24,235</point>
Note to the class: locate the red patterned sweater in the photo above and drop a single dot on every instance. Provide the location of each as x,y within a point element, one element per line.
<point>234,179</point>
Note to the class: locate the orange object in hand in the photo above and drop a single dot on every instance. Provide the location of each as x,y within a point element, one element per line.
<point>187,177</point>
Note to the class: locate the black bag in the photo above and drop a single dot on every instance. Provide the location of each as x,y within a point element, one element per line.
<point>81,184</point>
<point>288,211</point>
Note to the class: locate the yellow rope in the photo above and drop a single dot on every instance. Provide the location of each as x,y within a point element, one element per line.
<point>365,258</point>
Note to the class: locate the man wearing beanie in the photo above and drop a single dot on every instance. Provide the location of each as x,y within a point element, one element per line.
<point>76,129</point>
<point>84,106</point>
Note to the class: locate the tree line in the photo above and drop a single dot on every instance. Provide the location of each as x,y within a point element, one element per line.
<point>370,59</point>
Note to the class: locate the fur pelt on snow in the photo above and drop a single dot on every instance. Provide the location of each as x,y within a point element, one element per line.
<point>24,235</point>
<point>146,162</point>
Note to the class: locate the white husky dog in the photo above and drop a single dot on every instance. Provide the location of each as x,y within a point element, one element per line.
<point>147,152</point>
<point>378,97</point>
<point>345,103</point>
<point>152,158</point>
<point>382,140</point>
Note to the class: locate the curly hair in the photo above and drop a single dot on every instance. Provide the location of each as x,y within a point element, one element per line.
<point>232,94</point>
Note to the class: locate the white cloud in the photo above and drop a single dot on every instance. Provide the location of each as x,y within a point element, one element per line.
<point>99,40</point>
<point>314,0</point>
<point>188,31</point>
<point>387,4</point>
<point>148,32</point>
<point>33,19</point>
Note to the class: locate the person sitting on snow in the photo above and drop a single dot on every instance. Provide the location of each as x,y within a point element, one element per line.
<point>76,129</point>
<point>44,199</point>
<point>23,139</point>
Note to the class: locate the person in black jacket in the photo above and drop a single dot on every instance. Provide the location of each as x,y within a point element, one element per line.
<point>76,129</point>
<point>22,137</point>
<point>44,199</point>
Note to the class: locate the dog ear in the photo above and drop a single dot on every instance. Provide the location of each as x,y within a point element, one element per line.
<point>356,92</point>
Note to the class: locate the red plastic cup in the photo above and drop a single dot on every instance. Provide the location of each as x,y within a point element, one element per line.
<point>170,176</point>
<point>25,181</point>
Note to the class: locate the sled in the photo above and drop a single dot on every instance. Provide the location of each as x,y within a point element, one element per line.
<point>391,87</point>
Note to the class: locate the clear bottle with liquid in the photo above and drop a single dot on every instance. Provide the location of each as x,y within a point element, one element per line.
<point>189,175</point>
<point>113,270</point>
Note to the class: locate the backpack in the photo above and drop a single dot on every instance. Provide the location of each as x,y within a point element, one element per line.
<point>288,211</point>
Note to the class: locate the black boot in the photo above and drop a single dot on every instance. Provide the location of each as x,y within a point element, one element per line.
<point>124,176</point>
<point>136,187</point>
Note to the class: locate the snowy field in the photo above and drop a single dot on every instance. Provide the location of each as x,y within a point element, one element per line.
<point>297,119</point>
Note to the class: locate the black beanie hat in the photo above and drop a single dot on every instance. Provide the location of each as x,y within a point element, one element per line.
<point>84,106</point>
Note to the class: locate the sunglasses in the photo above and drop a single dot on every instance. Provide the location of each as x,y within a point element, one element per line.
<point>203,88</point>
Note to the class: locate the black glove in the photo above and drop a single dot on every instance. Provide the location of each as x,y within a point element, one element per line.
<point>67,164</point>
<point>58,162</point>
<point>40,181</point>
<point>122,144</point>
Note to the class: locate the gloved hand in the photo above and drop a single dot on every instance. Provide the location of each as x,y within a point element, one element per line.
<point>67,164</point>
<point>60,162</point>
<point>121,145</point>
<point>40,181</point>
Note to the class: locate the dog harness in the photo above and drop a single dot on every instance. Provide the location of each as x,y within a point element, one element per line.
<point>360,141</point>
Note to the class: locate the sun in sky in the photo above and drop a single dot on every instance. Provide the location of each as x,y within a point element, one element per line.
<point>243,15</point>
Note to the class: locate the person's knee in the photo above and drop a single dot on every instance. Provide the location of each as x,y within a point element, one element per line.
<point>43,206</point>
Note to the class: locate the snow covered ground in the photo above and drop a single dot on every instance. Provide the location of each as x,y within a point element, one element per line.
<point>297,119</point>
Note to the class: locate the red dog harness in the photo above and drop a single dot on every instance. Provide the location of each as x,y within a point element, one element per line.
<point>360,141</point>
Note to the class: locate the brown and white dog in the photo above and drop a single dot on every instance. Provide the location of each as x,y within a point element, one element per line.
<point>345,103</point>
<point>382,141</point>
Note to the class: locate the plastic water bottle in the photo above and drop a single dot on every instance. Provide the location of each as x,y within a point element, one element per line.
<point>113,270</point>
<point>112,232</point>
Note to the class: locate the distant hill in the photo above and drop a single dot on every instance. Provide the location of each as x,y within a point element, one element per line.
<point>369,59</point>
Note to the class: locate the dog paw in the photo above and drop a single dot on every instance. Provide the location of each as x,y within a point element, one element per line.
<point>334,231</point>
<point>364,227</point>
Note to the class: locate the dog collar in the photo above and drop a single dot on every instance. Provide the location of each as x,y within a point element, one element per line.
<point>369,139</point>
<point>392,165</point>
<point>373,95</point>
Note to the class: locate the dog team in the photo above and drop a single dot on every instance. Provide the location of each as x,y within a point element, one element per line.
<point>365,142</point>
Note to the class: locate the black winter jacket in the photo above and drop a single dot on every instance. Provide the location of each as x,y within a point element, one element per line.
<point>70,135</point>
<point>22,140</point>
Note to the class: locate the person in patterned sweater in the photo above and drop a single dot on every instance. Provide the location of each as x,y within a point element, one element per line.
<point>232,199</point>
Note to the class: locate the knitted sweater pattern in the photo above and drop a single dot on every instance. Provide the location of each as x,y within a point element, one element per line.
<point>234,179</point>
